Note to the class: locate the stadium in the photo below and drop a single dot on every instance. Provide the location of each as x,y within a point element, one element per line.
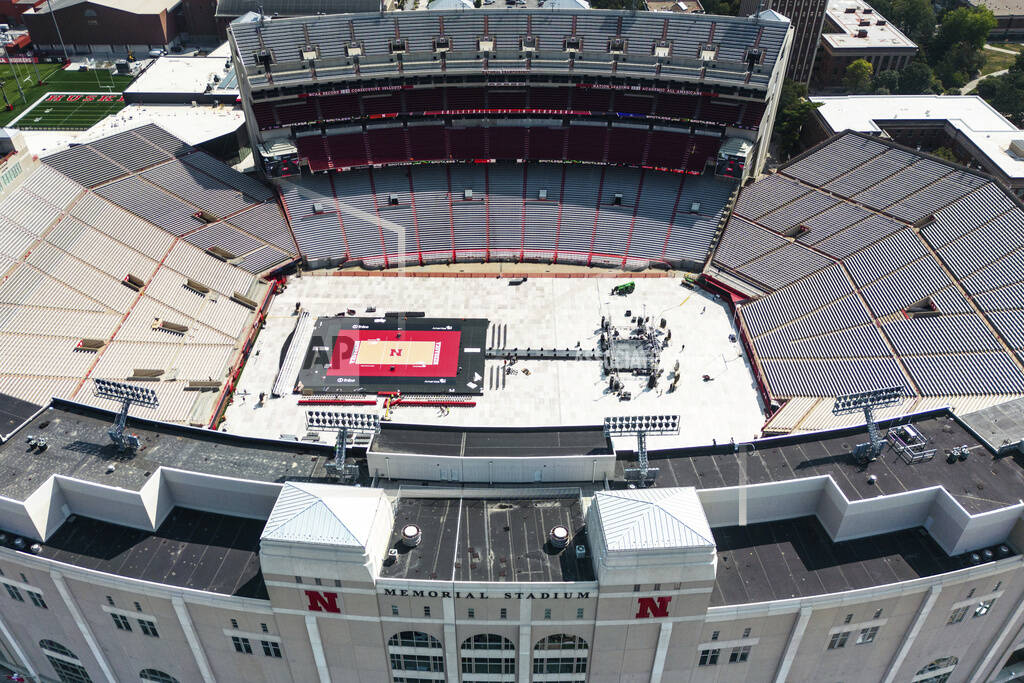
<point>515,363</point>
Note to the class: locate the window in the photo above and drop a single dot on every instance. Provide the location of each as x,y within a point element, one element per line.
<point>714,635</point>
<point>983,607</point>
<point>407,662</point>
<point>746,633</point>
<point>708,657</point>
<point>234,623</point>
<point>138,607</point>
<point>121,622</point>
<point>271,648</point>
<point>394,610</point>
<point>878,614</point>
<point>414,639</point>
<point>471,613</point>
<point>636,587</point>
<point>263,627</point>
<point>337,583</point>
<point>560,654</point>
<point>957,615</point>
<point>937,671</point>
<point>848,619</point>
<point>504,613</point>
<point>14,592</point>
<point>547,613</point>
<point>36,599</point>
<point>657,587</point>
<point>493,654</point>
<point>24,579</point>
<point>426,611</point>
<point>298,579</point>
<point>318,582</point>
<point>241,645</point>
<point>739,654</point>
<point>64,662</point>
<point>110,601</point>
<point>999,584</point>
<point>148,628</point>
<point>867,635</point>
<point>156,676</point>
<point>838,640</point>
<point>579,612</point>
<point>970,593</point>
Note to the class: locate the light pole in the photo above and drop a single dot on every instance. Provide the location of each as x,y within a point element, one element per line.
<point>54,17</point>
<point>7,102</point>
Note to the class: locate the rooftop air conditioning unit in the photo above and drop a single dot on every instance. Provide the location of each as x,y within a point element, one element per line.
<point>695,207</point>
<point>1017,147</point>
<point>467,195</point>
<point>393,199</point>
<point>542,194</point>
<point>863,33</point>
<point>318,207</point>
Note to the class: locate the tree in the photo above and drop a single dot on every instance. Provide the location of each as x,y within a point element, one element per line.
<point>958,64</point>
<point>946,153</point>
<point>969,25</point>
<point>858,76</point>
<point>794,110</point>
<point>887,80</point>
<point>1005,93</point>
<point>916,79</point>
<point>916,18</point>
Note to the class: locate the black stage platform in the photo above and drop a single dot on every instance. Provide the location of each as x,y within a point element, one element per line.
<point>413,355</point>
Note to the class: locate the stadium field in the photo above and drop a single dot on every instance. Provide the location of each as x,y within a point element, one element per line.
<point>58,80</point>
<point>70,111</point>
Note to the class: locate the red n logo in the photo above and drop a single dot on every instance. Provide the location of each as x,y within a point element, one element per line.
<point>396,352</point>
<point>652,607</point>
<point>323,602</point>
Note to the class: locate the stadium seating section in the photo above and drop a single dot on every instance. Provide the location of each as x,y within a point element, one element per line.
<point>885,268</point>
<point>588,214</point>
<point>101,243</point>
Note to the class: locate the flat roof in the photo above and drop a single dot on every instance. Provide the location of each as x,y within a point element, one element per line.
<point>191,549</point>
<point>1001,7</point>
<point>999,425</point>
<point>969,115</point>
<point>14,412</point>
<point>491,443</point>
<point>981,483</point>
<point>78,446</point>
<point>495,539</point>
<point>794,558</point>
<point>170,74</point>
<point>854,16</point>
<point>192,125</point>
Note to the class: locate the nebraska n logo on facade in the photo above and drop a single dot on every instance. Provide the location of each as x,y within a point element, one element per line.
<point>652,607</point>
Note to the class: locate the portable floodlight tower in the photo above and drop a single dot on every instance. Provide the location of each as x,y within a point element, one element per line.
<point>640,426</point>
<point>128,395</point>
<point>866,402</point>
<point>343,424</point>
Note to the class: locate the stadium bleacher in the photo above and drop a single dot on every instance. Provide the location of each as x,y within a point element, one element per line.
<point>885,267</point>
<point>94,263</point>
<point>530,211</point>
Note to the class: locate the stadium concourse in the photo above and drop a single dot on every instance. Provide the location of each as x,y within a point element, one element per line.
<point>873,265</point>
<point>133,257</point>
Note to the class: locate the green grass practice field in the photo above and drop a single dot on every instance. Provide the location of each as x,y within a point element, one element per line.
<point>67,115</point>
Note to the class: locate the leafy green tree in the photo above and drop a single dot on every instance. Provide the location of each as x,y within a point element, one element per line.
<point>916,79</point>
<point>887,80</point>
<point>958,64</point>
<point>1005,93</point>
<point>858,76</point>
<point>794,110</point>
<point>946,153</point>
<point>969,25</point>
<point>916,18</point>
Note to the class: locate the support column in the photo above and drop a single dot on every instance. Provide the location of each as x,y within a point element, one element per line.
<point>662,652</point>
<point>318,649</point>
<point>525,652</point>
<point>794,644</point>
<point>83,627</point>
<point>185,620</point>
<point>452,659</point>
<point>16,646</point>
<point>908,640</point>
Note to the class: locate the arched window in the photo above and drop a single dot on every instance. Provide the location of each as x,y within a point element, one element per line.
<point>561,654</point>
<point>64,662</point>
<point>938,671</point>
<point>156,676</point>
<point>489,654</point>
<point>414,651</point>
